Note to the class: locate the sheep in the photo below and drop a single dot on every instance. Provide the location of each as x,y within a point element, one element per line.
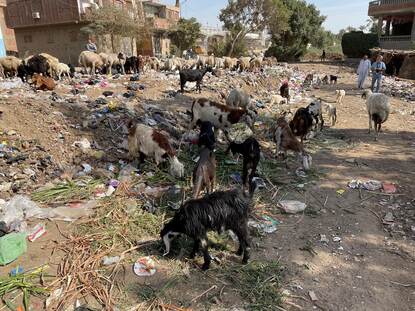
<point>53,63</point>
<point>302,123</point>
<point>10,65</point>
<point>113,59</point>
<point>285,91</point>
<point>244,63</point>
<point>286,140</point>
<point>193,75</point>
<point>90,60</point>
<point>221,116</point>
<point>316,111</point>
<point>219,211</point>
<point>62,69</point>
<point>230,63</point>
<point>210,61</point>
<point>278,100</point>
<point>207,135</point>
<point>256,63</point>
<point>43,83</point>
<point>132,65</point>
<point>238,98</point>
<point>204,174</point>
<point>219,62</point>
<point>146,141</point>
<point>340,94</point>
<point>378,109</point>
<point>251,152</point>
<point>36,64</point>
<point>331,110</point>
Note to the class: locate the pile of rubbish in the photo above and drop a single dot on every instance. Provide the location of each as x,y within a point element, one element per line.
<point>396,87</point>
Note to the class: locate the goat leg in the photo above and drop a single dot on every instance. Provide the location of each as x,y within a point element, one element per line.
<point>206,256</point>
<point>195,249</point>
<point>242,234</point>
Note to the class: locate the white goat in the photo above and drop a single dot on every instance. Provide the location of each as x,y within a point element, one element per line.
<point>340,94</point>
<point>146,141</point>
<point>238,99</point>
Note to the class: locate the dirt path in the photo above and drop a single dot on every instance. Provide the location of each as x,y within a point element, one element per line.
<point>362,271</point>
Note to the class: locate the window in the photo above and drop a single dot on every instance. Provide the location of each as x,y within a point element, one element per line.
<point>27,39</point>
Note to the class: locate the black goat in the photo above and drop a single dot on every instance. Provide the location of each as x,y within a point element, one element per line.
<point>71,70</point>
<point>207,135</point>
<point>285,91</point>
<point>131,65</point>
<point>251,152</point>
<point>218,211</point>
<point>302,123</point>
<point>36,64</point>
<point>193,75</point>
<point>333,79</point>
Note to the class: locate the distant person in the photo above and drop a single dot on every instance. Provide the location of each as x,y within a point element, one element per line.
<point>378,69</point>
<point>323,56</point>
<point>363,71</point>
<point>91,46</point>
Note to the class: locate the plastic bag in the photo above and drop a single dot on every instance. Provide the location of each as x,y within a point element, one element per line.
<point>12,246</point>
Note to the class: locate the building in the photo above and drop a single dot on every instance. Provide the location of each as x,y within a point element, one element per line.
<point>160,18</point>
<point>54,26</point>
<point>7,34</point>
<point>396,23</point>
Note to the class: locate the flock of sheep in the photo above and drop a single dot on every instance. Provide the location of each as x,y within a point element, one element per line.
<point>218,211</point>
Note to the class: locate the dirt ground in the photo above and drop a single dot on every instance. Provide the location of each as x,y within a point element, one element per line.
<point>368,266</point>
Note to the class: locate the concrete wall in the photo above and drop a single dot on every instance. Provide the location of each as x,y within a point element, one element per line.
<point>8,34</point>
<point>65,42</point>
<point>396,45</point>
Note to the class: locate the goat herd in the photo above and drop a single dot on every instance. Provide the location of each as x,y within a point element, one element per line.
<point>220,210</point>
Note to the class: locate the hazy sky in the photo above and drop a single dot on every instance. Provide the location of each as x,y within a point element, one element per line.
<point>340,13</point>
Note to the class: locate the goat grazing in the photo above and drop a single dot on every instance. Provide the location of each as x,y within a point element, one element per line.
<point>207,135</point>
<point>204,174</point>
<point>378,109</point>
<point>285,140</point>
<point>302,123</point>
<point>218,211</point>
<point>340,94</point>
<point>220,116</point>
<point>285,91</point>
<point>238,98</point>
<point>331,111</point>
<point>333,79</point>
<point>146,141</point>
<point>193,75</point>
<point>316,111</point>
<point>251,152</point>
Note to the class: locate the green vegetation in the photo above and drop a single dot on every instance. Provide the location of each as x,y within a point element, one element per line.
<point>185,34</point>
<point>356,43</point>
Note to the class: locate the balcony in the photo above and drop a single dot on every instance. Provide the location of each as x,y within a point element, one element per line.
<point>396,42</point>
<point>381,7</point>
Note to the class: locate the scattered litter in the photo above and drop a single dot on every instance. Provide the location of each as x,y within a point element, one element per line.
<point>340,191</point>
<point>312,295</point>
<point>352,161</point>
<point>260,183</point>
<point>354,184</point>
<point>84,144</point>
<point>16,271</point>
<point>87,168</point>
<point>144,266</point>
<point>389,188</point>
<point>12,246</point>
<point>107,261</point>
<point>388,219</point>
<point>239,132</point>
<point>372,185</point>
<point>292,207</point>
<point>324,239</point>
<point>236,177</point>
<point>337,239</point>
<point>36,232</point>
<point>268,225</point>
<point>300,172</point>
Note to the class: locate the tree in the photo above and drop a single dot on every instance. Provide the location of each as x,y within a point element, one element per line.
<point>243,16</point>
<point>304,27</point>
<point>114,21</point>
<point>185,34</point>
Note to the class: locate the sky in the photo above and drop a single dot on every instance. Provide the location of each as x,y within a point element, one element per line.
<point>340,13</point>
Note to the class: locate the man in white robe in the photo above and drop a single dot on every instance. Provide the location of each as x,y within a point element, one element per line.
<point>363,71</point>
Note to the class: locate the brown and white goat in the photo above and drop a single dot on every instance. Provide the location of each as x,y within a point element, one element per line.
<point>146,141</point>
<point>221,116</point>
<point>286,140</point>
<point>204,174</point>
